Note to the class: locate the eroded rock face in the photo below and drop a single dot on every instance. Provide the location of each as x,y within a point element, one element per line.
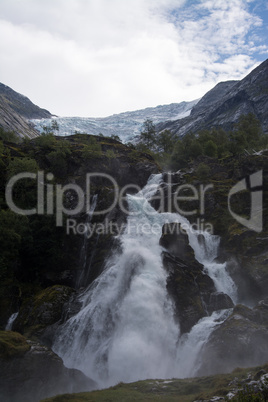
<point>241,341</point>
<point>193,292</point>
<point>36,373</point>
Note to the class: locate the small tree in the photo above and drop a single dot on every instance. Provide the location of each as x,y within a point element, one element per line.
<point>148,134</point>
<point>166,141</point>
<point>115,137</point>
<point>203,171</point>
<point>55,126</point>
<point>210,149</point>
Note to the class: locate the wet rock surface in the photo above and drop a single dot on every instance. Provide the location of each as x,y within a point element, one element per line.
<point>192,290</point>
<point>37,373</point>
<point>240,341</point>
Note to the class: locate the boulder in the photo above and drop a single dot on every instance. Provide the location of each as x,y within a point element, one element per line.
<point>31,372</point>
<point>240,341</point>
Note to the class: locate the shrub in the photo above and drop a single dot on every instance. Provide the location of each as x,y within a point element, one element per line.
<point>210,149</point>
<point>110,154</point>
<point>203,171</point>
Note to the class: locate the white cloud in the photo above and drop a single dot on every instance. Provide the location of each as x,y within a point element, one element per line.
<point>98,57</point>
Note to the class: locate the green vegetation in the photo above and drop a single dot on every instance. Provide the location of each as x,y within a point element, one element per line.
<point>246,137</point>
<point>184,390</point>
<point>42,309</point>
<point>175,153</point>
<point>92,148</point>
<point>9,136</point>
<point>33,250</point>
<point>12,344</point>
<point>110,154</point>
<point>203,171</point>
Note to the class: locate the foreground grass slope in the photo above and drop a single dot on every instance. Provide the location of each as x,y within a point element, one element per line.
<point>183,390</point>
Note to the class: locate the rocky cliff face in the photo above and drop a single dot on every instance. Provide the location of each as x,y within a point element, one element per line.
<point>224,104</point>
<point>15,110</point>
<point>12,121</point>
<point>21,104</point>
<point>192,290</point>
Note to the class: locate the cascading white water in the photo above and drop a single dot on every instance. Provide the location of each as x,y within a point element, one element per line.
<point>10,321</point>
<point>206,253</point>
<point>125,330</point>
<point>190,345</point>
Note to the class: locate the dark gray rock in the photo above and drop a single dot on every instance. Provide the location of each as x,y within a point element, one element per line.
<point>12,121</point>
<point>21,104</point>
<point>225,103</point>
<point>219,301</point>
<point>176,242</point>
<point>240,341</point>
<point>42,310</point>
<point>39,374</point>
<point>193,292</point>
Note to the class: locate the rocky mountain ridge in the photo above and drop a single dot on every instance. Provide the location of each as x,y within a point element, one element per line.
<point>225,103</point>
<point>15,110</point>
<point>221,106</point>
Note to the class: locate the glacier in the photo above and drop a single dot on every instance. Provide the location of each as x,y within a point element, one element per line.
<point>127,126</point>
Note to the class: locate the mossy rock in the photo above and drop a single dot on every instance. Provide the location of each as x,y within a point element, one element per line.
<point>12,344</point>
<point>44,309</point>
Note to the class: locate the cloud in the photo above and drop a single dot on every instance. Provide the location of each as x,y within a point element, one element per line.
<point>98,57</point>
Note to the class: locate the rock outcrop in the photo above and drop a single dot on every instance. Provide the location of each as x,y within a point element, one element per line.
<point>30,371</point>
<point>12,121</point>
<point>192,290</point>
<point>240,341</point>
<point>42,310</point>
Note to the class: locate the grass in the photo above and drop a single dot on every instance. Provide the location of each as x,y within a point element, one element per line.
<point>12,344</point>
<point>183,390</point>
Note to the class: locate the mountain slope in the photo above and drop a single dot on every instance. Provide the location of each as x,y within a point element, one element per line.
<point>226,102</point>
<point>15,109</point>
<point>21,104</point>
<point>126,125</point>
<point>12,121</point>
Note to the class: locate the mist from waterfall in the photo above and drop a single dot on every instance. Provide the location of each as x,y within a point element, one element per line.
<point>125,330</point>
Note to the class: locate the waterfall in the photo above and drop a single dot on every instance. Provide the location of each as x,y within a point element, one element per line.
<point>206,248</point>
<point>10,321</point>
<point>125,330</point>
<point>84,263</point>
<point>190,345</point>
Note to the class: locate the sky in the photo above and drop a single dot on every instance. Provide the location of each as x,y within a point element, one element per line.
<point>95,58</point>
